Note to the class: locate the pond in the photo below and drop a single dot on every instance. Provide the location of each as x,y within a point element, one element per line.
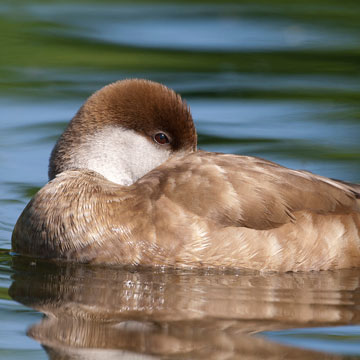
<point>278,80</point>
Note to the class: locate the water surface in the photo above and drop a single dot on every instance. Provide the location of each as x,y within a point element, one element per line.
<point>279,80</point>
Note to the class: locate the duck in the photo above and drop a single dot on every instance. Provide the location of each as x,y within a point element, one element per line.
<point>129,187</point>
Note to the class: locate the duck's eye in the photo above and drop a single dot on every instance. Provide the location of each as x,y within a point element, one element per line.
<point>161,138</point>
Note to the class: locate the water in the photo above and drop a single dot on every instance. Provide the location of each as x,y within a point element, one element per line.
<point>279,80</point>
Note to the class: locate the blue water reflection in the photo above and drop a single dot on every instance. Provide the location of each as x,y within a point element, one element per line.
<point>338,340</point>
<point>192,27</point>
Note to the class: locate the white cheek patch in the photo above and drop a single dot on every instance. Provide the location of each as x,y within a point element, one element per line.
<point>121,155</point>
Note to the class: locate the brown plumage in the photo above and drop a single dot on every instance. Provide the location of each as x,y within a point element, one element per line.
<point>195,209</point>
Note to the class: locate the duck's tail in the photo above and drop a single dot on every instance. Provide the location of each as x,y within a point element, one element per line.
<point>353,187</point>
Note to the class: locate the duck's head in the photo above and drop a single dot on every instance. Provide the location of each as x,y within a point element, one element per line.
<point>125,130</point>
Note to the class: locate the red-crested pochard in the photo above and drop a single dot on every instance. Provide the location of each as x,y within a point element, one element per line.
<point>129,187</point>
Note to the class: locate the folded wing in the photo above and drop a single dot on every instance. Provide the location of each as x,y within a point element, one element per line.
<point>246,191</point>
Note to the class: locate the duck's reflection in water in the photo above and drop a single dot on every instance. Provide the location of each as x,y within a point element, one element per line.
<point>103,313</point>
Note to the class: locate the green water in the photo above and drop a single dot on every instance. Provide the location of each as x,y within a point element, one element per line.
<point>278,79</point>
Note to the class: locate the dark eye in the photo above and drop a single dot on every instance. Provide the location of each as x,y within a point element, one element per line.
<point>161,138</point>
